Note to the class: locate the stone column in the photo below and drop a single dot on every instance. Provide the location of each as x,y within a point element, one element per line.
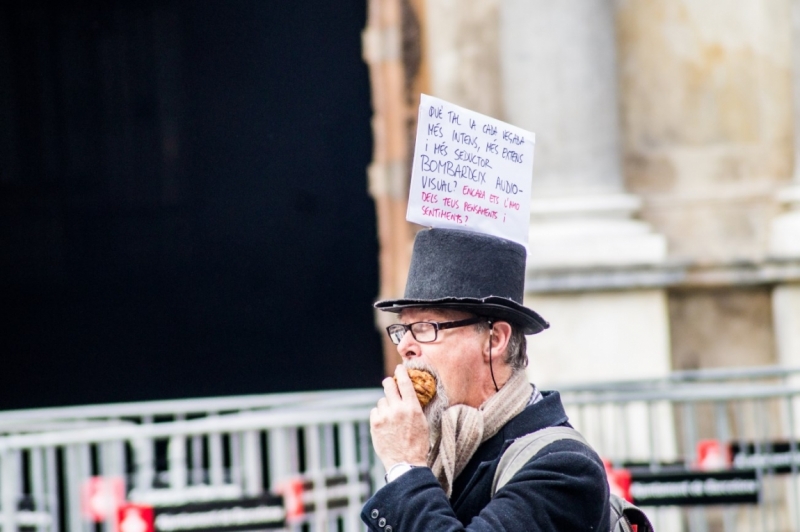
<point>785,245</point>
<point>462,44</point>
<point>785,237</point>
<point>560,81</point>
<point>558,64</point>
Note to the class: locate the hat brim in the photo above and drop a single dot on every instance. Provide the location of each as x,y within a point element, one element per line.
<point>495,307</point>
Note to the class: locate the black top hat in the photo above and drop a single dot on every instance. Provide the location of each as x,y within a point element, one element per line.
<point>468,271</point>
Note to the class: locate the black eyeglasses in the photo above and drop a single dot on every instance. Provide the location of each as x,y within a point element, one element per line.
<point>426,331</point>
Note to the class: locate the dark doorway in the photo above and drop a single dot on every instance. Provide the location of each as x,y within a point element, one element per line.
<point>183,200</point>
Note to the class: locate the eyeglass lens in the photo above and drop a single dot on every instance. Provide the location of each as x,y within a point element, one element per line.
<point>396,333</point>
<point>422,331</point>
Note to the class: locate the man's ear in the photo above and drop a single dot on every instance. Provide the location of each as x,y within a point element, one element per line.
<point>499,335</point>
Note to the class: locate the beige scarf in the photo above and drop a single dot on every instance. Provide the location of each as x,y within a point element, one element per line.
<point>464,428</point>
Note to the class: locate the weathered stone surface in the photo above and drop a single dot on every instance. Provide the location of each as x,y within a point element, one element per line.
<point>722,327</point>
<point>685,104</point>
<point>707,119</point>
<point>785,237</point>
<point>786,306</point>
<point>706,229</point>
<point>558,67</point>
<point>600,336</point>
<point>463,52</point>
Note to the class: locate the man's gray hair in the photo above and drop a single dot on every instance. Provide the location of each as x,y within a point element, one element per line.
<point>516,350</point>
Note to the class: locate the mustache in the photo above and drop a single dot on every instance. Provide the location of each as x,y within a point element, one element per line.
<point>416,364</point>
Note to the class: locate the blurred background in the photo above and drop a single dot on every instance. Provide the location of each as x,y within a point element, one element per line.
<point>665,230</point>
<point>203,199</point>
<point>184,202</point>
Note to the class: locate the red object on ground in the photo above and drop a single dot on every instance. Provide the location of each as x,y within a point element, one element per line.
<point>101,496</point>
<point>292,491</point>
<point>135,518</point>
<point>713,455</point>
<point>619,481</point>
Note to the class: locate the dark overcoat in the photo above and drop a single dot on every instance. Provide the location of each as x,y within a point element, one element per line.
<point>562,488</point>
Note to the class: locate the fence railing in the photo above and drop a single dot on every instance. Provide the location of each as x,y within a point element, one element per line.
<point>661,430</point>
<point>14,421</point>
<point>319,444</point>
<point>316,446</point>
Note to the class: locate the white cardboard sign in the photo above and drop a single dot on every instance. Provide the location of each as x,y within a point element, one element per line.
<point>471,172</point>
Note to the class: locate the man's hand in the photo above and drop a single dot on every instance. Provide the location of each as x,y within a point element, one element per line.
<point>398,426</point>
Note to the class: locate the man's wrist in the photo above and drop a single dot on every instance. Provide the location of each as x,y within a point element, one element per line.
<point>398,469</point>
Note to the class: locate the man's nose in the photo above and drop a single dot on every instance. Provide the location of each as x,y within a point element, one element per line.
<point>408,346</point>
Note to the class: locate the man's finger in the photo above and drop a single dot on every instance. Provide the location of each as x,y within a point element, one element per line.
<point>405,385</point>
<point>390,389</point>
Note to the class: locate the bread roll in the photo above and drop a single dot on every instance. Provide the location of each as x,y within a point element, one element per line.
<point>424,385</point>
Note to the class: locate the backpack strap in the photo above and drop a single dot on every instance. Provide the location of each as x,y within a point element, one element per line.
<point>525,448</point>
<point>625,516</point>
<point>622,513</point>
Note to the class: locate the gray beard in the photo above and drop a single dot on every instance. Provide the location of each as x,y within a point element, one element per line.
<point>435,409</point>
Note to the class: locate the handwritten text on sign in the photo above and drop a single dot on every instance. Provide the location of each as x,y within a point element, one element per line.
<point>470,172</point>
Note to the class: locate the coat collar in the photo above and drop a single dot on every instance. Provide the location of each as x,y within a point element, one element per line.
<point>549,412</point>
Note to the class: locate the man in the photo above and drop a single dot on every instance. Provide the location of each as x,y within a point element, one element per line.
<point>463,320</point>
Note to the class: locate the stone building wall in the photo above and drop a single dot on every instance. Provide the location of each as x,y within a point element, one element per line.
<point>707,128</point>
<point>666,195</point>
